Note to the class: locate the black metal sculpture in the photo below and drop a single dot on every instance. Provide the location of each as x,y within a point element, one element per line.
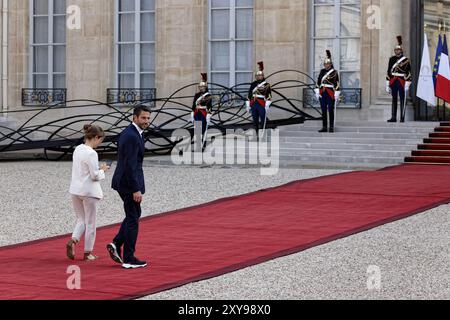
<point>58,138</point>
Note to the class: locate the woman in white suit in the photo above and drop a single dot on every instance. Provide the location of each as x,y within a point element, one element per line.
<point>86,191</point>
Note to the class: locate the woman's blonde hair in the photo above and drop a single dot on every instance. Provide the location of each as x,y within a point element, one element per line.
<point>92,131</point>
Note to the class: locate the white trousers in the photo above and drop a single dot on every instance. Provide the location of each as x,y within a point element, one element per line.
<point>86,211</point>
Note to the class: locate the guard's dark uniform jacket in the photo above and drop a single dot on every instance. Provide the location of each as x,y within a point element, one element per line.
<point>330,84</point>
<point>202,103</point>
<point>259,90</point>
<point>399,70</point>
<point>258,94</point>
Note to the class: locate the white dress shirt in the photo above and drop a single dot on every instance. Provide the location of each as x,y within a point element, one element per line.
<point>138,129</point>
<point>86,175</point>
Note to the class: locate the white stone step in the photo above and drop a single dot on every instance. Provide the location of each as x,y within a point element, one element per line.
<point>346,146</point>
<point>415,130</point>
<point>332,165</point>
<point>362,123</point>
<point>327,152</point>
<point>350,140</point>
<point>372,135</point>
<point>352,153</point>
<point>342,159</point>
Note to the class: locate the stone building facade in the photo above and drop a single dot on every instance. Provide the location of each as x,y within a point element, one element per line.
<point>173,41</point>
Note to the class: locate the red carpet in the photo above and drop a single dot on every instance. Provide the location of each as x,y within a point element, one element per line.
<point>209,240</point>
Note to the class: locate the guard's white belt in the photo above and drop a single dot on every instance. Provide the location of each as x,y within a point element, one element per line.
<point>260,97</point>
<point>395,74</point>
<point>327,86</point>
<point>201,107</point>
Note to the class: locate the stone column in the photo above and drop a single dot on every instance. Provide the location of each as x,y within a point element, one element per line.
<point>1,69</point>
<point>395,21</point>
<point>281,34</point>
<point>281,40</point>
<point>18,51</point>
<point>90,51</point>
<point>181,43</point>
<point>369,47</point>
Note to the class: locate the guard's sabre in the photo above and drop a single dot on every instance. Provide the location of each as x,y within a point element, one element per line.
<point>264,127</point>
<point>335,111</point>
<point>404,105</point>
<point>205,135</point>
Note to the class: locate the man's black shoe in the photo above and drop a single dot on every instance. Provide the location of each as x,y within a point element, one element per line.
<point>331,130</point>
<point>324,130</point>
<point>114,252</point>
<point>392,120</point>
<point>134,264</point>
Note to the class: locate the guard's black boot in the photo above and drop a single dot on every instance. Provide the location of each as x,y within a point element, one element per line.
<point>394,110</point>
<point>331,121</point>
<point>324,122</point>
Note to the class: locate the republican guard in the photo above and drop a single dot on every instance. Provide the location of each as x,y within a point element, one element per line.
<point>398,80</point>
<point>328,91</point>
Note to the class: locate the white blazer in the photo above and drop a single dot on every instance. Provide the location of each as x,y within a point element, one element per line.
<point>86,175</point>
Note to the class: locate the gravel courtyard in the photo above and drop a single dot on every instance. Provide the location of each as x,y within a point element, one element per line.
<point>412,255</point>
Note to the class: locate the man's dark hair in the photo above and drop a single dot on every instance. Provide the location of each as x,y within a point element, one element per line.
<point>138,110</point>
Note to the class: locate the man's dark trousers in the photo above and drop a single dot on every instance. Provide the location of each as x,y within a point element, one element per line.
<point>129,229</point>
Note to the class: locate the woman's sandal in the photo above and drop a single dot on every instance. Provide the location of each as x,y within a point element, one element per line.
<point>70,249</point>
<point>90,257</point>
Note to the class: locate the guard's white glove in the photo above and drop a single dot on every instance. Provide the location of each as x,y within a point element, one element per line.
<point>268,104</point>
<point>247,106</point>
<point>192,117</point>
<point>317,92</point>
<point>208,118</point>
<point>337,95</point>
<point>407,85</point>
<point>388,87</point>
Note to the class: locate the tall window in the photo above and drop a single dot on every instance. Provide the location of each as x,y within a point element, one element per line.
<point>231,41</point>
<point>135,43</point>
<point>336,25</point>
<point>48,43</point>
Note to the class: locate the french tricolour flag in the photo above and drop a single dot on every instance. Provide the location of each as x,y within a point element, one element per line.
<point>443,77</point>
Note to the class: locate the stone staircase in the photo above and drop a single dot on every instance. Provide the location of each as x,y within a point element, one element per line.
<point>353,145</point>
<point>435,149</point>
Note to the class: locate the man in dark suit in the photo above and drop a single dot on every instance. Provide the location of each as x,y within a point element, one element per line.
<point>128,181</point>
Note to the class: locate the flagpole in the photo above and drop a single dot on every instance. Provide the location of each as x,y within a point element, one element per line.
<point>443,107</point>
<point>438,107</point>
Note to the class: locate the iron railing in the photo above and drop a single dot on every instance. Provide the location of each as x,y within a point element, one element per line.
<point>43,97</point>
<point>131,96</point>
<point>349,99</point>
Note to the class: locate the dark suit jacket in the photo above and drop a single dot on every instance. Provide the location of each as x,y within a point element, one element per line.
<point>129,176</point>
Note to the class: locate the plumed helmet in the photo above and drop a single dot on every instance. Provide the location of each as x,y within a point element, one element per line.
<point>204,81</point>
<point>399,43</point>
<point>260,72</point>
<point>328,58</point>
